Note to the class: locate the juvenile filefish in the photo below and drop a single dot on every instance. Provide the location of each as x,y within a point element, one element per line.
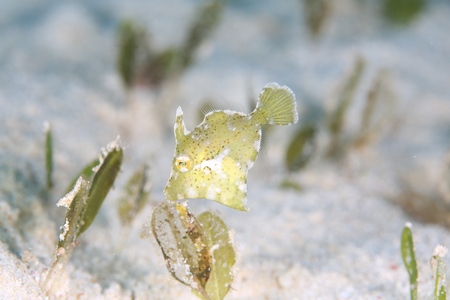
<point>212,161</point>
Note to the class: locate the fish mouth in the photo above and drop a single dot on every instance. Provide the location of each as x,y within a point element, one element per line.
<point>168,195</point>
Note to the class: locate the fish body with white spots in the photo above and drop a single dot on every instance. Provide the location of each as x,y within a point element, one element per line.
<point>212,160</point>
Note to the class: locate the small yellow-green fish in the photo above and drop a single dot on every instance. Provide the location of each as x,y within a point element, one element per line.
<point>212,161</point>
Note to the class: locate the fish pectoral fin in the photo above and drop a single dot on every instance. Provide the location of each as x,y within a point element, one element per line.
<point>277,104</point>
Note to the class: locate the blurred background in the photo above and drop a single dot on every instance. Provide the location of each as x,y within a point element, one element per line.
<point>98,69</point>
<point>371,77</point>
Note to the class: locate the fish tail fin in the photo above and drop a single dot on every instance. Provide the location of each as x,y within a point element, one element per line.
<point>277,104</point>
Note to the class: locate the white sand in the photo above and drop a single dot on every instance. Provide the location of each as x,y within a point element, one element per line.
<point>337,239</point>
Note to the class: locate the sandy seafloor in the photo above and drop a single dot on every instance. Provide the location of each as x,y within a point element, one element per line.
<point>337,239</point>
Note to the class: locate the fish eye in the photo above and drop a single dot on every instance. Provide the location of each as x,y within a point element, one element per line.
<point>184,163</point>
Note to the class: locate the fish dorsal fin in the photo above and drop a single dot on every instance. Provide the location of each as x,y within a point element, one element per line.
<point>179,128</point>
<point>278,105</point>
<point>208,105</point>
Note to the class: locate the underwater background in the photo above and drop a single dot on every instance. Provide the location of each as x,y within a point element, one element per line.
<point>328,197</point>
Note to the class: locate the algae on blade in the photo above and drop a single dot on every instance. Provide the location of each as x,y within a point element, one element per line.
<point>439,269</point>
<point>75,201</point>
<point>378,110</point>
<point>301,148</point>
<point>104,176</point>
<point>205,23</point>
<point>132,40</point>
<point>183,244</point>
<point>409,259</point>
<point>87,172</point>
<point>222,253</point>
<point>48,154</point>
<point>137,191</point>
<point>316,13</point>
<point>83,203</point>
<point>337,118</point>
<point>403,12</point>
